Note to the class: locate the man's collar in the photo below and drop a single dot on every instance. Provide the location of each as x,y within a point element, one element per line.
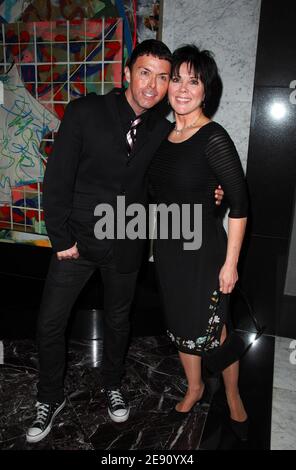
<point>126,111</point>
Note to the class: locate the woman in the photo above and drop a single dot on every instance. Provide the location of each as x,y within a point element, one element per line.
<point>197,156</point>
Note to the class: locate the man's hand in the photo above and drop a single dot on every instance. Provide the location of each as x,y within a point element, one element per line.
<point>71,253</point>
<point>219,193</point>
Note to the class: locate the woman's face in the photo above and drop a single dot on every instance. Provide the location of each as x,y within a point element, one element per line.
<point>186,92</point>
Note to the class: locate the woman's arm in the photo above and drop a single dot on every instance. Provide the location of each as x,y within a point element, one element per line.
<point>228,275</point>
<point>225,163</point>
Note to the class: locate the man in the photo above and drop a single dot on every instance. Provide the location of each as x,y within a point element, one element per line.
<point>96,158</point>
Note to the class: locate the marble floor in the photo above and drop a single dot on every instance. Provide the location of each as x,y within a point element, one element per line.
<point>154,383</point>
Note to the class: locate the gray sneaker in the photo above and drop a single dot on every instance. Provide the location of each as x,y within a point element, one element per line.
<point>41,426</point>
<point>118,408</point>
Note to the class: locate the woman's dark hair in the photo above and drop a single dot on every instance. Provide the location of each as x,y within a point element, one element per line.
<point>203,65</point>
<point>150,47</point>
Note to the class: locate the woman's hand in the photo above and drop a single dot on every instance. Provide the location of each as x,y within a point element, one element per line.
<point>227,278</point>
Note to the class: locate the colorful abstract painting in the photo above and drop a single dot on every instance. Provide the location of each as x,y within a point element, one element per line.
<point>140,17</point>
<point>43,66</point>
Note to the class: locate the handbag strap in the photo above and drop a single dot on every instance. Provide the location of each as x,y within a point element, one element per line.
<point>259,329</point>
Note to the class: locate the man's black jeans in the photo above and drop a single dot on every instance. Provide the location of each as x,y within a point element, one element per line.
<point>64,282</point>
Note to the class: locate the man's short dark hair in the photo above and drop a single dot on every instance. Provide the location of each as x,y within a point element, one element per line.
<point>150,47</point>
<point>204,67</point>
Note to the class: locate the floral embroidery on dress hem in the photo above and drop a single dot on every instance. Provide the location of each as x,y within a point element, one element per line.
<point>210,340</point>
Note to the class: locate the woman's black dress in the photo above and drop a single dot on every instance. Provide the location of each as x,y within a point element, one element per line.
<point>188,173</point>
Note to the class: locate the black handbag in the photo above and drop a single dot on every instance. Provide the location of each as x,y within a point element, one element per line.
<point>234,347</point>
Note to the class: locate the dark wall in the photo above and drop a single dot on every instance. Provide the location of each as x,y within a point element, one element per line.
<point>23,271</point>
<point>271,169</point>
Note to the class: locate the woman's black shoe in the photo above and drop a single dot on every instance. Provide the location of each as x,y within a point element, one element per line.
<point>179,415</point>
<point>240,429</point>
<point>183,414</point>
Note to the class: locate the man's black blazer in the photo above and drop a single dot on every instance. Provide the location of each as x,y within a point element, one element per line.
<point>88,166</point>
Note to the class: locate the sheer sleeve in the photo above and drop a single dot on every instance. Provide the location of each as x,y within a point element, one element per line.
<point>225,164</point>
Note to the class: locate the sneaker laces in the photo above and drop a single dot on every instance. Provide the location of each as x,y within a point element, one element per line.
<point>42,412</point>
<point>116,398</point>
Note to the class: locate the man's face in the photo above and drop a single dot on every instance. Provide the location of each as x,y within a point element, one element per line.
<point>148,82</point>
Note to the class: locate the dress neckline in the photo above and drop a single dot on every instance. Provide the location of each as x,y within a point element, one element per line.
<point>195,133</point>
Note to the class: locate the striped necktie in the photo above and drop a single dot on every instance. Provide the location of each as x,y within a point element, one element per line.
<point>131,134</point>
